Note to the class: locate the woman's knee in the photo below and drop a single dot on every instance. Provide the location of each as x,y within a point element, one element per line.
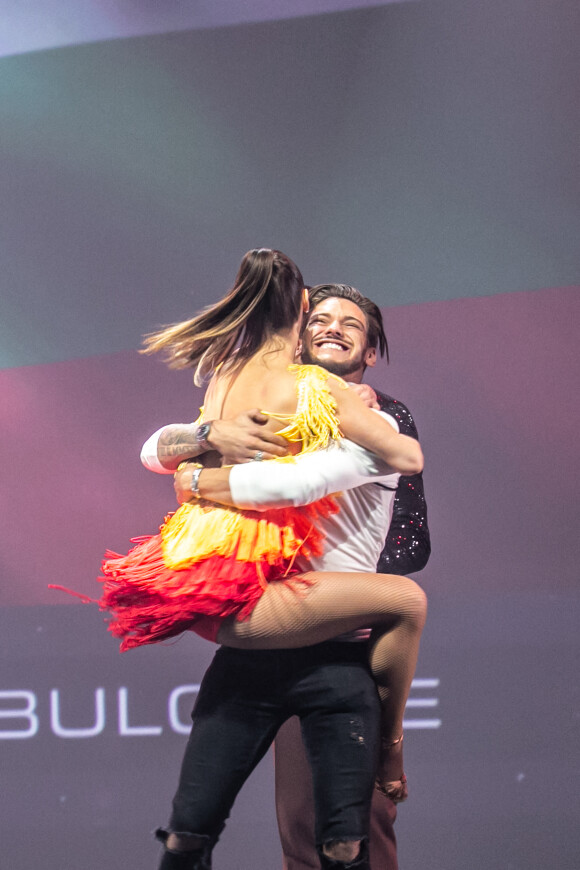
<point>419,605</point>
<point>411,605</point>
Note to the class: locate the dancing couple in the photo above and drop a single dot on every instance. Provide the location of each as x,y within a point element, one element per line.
<point>251,576</point>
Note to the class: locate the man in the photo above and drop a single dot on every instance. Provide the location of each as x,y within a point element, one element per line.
<point>343,333</point>
<point>338,339</point>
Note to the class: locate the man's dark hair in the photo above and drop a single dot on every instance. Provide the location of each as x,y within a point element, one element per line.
<point>375,329</point>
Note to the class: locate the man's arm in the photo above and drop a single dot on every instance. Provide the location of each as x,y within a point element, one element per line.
<point>239,440</point>
<point>307,478</point>
<point>408,543</point>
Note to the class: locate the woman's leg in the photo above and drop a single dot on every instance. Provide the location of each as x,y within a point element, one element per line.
<point>320,606</point>
<point>395,606</point>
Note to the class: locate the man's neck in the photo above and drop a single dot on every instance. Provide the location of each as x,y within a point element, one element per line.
<point>355,377</point>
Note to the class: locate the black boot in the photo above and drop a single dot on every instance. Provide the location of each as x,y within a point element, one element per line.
<point>361,862</point>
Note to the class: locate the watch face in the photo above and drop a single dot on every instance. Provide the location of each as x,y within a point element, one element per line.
<point>202,433</point>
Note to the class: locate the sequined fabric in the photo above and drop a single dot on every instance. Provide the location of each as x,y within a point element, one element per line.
<point>408,544</point>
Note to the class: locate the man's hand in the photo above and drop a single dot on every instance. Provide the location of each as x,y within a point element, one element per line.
<point>240,439</point>
<point>367,394</point>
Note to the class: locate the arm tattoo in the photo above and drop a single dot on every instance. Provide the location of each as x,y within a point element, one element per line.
<point>177,443</point>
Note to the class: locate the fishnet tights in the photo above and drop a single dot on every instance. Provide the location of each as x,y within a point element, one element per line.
<point>395,606</point>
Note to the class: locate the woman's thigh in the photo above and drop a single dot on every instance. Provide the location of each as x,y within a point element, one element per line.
<point>320,606</point>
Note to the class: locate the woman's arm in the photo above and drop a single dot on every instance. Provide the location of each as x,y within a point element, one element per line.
<point>307,478</point>
<point>360,424</point>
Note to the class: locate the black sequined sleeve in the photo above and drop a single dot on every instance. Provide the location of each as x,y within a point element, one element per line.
<point>408,544</point>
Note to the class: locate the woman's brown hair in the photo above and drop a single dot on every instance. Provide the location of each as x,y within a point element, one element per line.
<point>266,299</point>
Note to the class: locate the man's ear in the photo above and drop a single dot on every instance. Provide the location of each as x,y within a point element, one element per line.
<point>305,301</point>
<point>370,357</point>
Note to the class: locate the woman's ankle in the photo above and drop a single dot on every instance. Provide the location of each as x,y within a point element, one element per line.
<point>391,780</point>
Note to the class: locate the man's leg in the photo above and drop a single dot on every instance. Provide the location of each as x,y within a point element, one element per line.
<point>382,842</point>
<point>295,803</point>
<point>294,799</point>
<point>337,701</point>
<point>233,728</point>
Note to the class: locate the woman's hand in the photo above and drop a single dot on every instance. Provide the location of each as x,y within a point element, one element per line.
<point>182,483</point>
<point>367,394</point>
<point>212,483</point>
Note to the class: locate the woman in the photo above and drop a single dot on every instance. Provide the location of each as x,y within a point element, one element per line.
<point>221,571</point>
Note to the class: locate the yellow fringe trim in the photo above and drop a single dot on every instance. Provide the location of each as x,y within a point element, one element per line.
<point>314,422</point>
<point>200,529</point>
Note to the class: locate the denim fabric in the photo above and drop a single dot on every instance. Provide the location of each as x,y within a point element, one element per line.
<point>244,698</point>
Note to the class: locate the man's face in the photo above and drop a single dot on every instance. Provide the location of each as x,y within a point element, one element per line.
<point>336,339</point>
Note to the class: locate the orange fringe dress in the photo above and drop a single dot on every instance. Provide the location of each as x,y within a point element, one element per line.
<point>210,562</point>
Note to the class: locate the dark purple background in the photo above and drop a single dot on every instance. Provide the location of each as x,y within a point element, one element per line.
<point>426,152</point>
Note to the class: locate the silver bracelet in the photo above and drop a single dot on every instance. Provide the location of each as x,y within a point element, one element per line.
<point>194,485</point>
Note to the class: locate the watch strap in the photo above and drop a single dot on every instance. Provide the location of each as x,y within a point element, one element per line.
<point>201,436</point>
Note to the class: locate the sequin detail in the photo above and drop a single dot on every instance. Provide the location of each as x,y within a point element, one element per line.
<point>408,544</point>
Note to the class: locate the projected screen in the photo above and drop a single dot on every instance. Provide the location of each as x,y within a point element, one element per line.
<point>42,24</point>
<point>418,151</point>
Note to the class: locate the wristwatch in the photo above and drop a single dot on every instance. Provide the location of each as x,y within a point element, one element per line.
<point>201,436</point>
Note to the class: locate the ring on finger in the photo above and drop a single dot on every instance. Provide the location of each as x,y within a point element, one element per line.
<point>259,456</point>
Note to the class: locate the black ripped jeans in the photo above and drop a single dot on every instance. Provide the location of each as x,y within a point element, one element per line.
<point>244,698</point>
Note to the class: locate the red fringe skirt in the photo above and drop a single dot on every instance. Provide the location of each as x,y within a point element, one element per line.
<point>206,564</point>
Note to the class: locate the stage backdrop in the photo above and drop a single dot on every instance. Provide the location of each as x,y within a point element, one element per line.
<point>425,152</point>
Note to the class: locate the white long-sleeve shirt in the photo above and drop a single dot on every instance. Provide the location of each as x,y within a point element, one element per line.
<point>355,536</point>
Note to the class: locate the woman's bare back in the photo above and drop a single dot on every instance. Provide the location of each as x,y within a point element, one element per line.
<point>263,383</point>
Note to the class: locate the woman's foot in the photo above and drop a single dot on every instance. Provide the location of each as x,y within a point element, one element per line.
<point>391,780</point>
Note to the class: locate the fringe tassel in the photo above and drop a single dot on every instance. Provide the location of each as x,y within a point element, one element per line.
<point>201,529</point>
<point>150,600</point>
<point>314,423</point>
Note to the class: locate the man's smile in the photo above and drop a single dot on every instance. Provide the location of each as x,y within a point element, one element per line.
<point>330,344</point>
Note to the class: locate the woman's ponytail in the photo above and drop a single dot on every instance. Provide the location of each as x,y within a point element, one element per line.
<point>266,298</point>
